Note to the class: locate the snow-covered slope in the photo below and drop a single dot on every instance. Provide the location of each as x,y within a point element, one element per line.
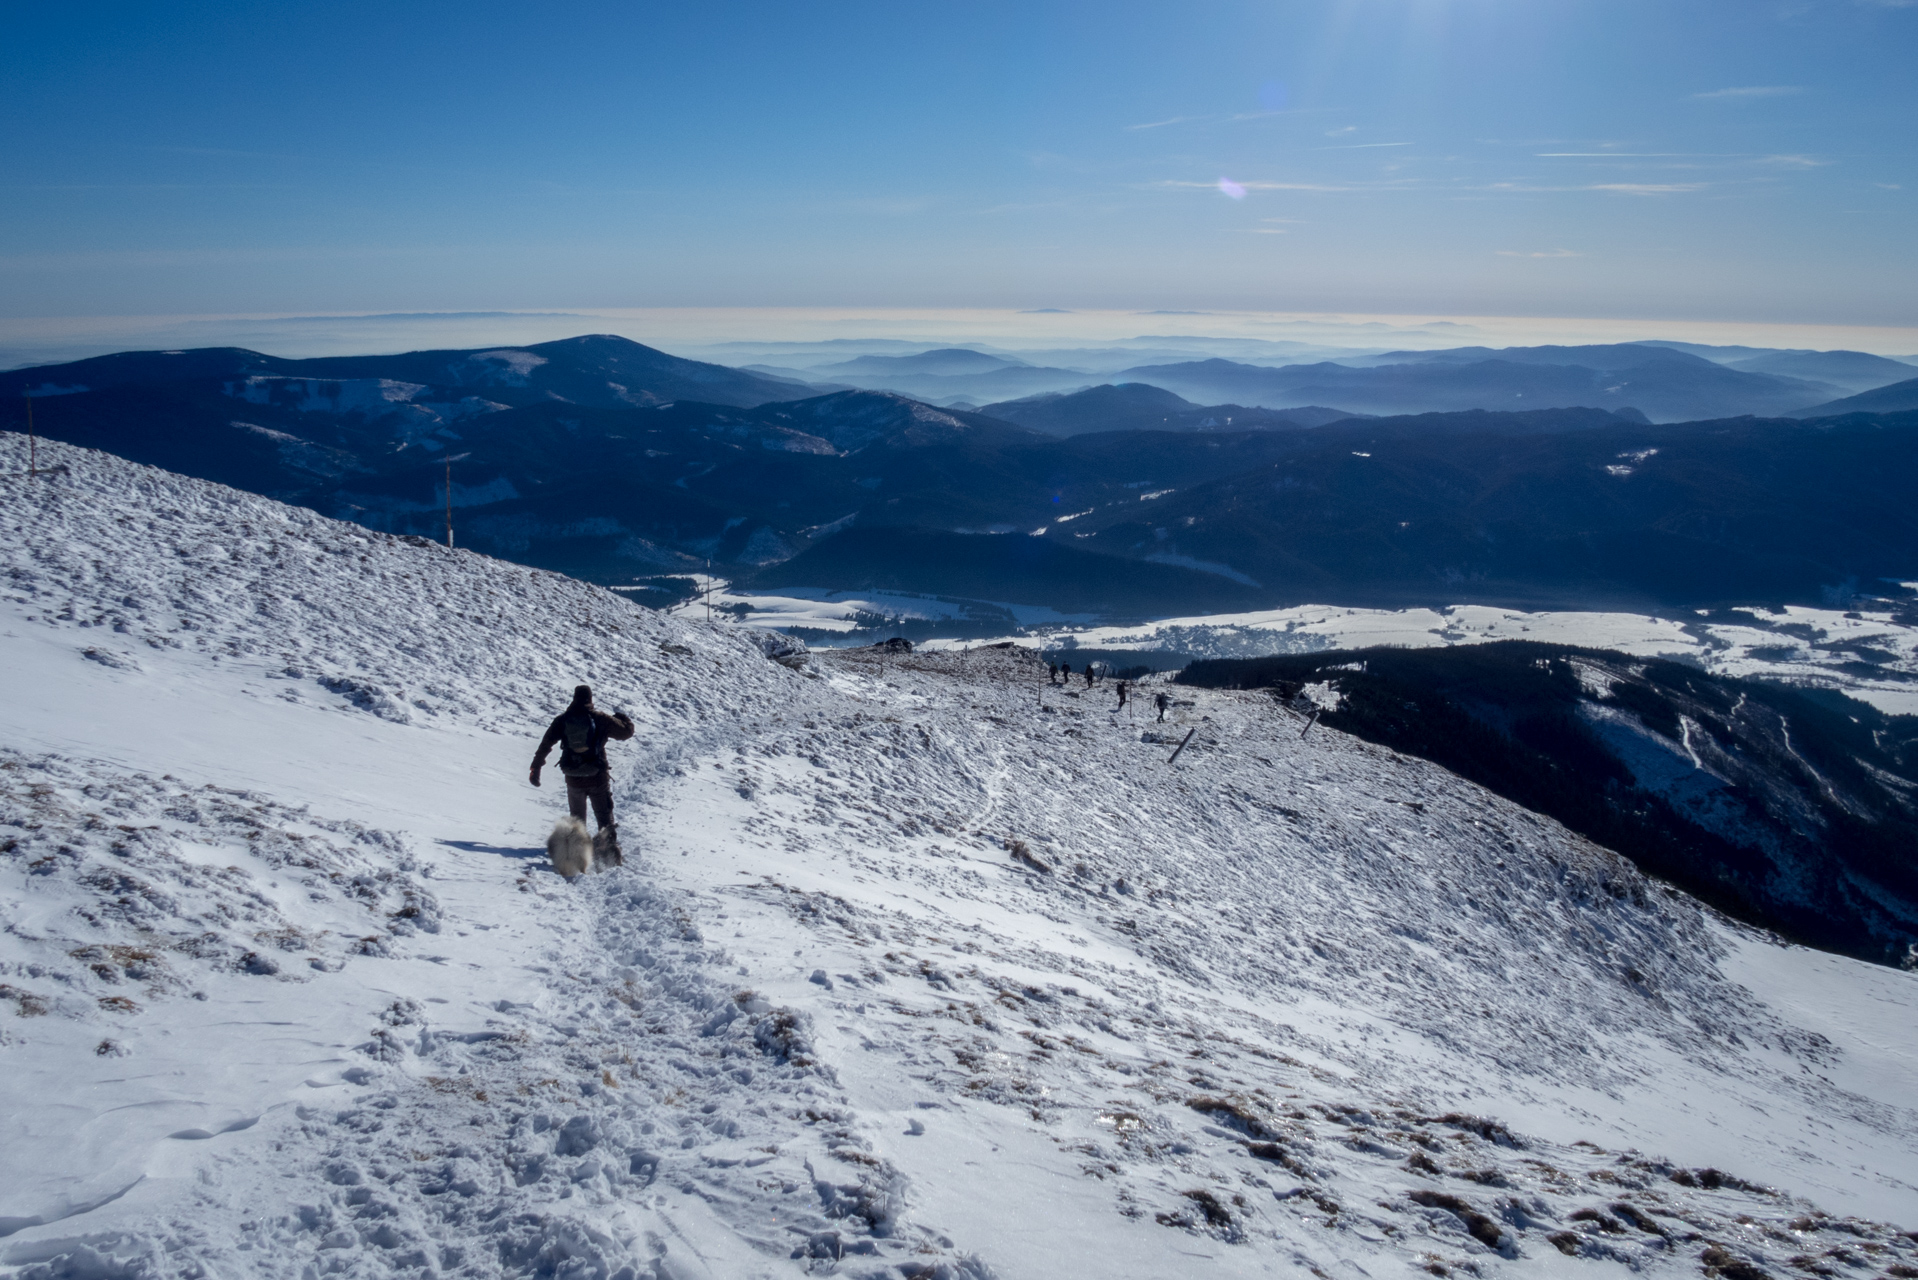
<point>917,966</point>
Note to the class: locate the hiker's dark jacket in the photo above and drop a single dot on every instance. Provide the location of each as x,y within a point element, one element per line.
<point>614,728</point>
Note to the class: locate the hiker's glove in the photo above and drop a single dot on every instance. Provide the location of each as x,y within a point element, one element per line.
<point>532,775</point>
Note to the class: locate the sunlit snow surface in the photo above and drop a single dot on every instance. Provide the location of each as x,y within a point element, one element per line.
<point>1869,654</point>
<point>843,612</point>
<point>917,966</point>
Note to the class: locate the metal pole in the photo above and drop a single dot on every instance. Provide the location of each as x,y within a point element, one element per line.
<point>33,444</point>
<point>449,504</point>
<point>709,591</point>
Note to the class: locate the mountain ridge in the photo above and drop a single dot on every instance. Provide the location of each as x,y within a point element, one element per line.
<point>587,367</point>
<point>1897,397</point>
<point>1664,384</point>
<point>1139,406</point>
<point>555,460</point>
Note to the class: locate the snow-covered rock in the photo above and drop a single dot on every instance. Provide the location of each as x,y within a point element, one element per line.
<point>289,991</point>
<point>787,650</point>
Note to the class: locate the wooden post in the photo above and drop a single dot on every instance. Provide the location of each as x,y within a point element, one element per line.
<point>1309,723</point>
<point>1188,737</point>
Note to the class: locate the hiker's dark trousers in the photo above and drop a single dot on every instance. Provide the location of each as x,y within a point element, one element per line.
<point>598,789</point>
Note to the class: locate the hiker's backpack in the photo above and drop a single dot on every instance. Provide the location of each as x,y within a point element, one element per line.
<point>578,757</point>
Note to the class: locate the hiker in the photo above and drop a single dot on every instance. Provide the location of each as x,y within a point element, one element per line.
<point>1052,673</point>
<point>581,731</point>
<point>1065,673</point>
<point>1121,706</point>
<point>1088,675</point>
<point>1162,702</point>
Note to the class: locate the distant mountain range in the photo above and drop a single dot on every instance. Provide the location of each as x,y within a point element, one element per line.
<point>1137,406</point>
<point>1667,381</point>
<point>951,373</point>
<point>1400,511</point>
<point>426,386</point>
<point>611,461</point>
<point>1666,385</point>
<point>944,362</point>
<point>1852,370</point>
<point>1552,509</point>
<point>1899,397</point>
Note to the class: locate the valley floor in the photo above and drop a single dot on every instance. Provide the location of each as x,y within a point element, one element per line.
<point>918,966</point>
<point>1869,652</point>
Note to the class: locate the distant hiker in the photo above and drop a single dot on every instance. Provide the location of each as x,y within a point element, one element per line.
<point>1088,675</point>
<point>1052,673</point>
<point>1162,702</point>
<point>1065,672</point>
<point>1122,688</point>
<point>582,732</point>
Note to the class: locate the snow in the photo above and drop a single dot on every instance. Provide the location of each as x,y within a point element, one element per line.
<point>373,396</point>
<point>846,611</point>
<point>1794,644</point>
<point>519,365</point>
<point>917,965</point>
<point>1870,654</point>
<point>382,399</point>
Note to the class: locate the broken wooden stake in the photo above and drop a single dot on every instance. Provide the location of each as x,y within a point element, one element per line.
<point>1188,737</point>
<point>1022,852</point>
<point>1308,724</point>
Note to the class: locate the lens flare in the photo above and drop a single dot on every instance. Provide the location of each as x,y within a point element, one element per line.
<point>1232,188</point>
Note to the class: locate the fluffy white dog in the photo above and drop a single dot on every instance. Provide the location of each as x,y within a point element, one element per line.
<point>570,848</point>
<point>574,852</point>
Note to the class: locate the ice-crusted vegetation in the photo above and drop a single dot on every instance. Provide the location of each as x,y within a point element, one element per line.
<point>918,965</point>
<point>1295,983</point>
<point>134,882</point>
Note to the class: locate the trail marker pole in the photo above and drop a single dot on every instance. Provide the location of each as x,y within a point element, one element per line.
<point>449,504</point>
<point>709,591</point>
<point>1309,723</point>
<point>33,451</point>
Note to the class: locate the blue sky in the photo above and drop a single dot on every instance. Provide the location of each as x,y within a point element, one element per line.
<point>1697,159</point>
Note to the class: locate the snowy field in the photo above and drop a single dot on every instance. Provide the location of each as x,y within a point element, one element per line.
<point>815,609</point>
<point>917,966</point>
<point>1868,653</point>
